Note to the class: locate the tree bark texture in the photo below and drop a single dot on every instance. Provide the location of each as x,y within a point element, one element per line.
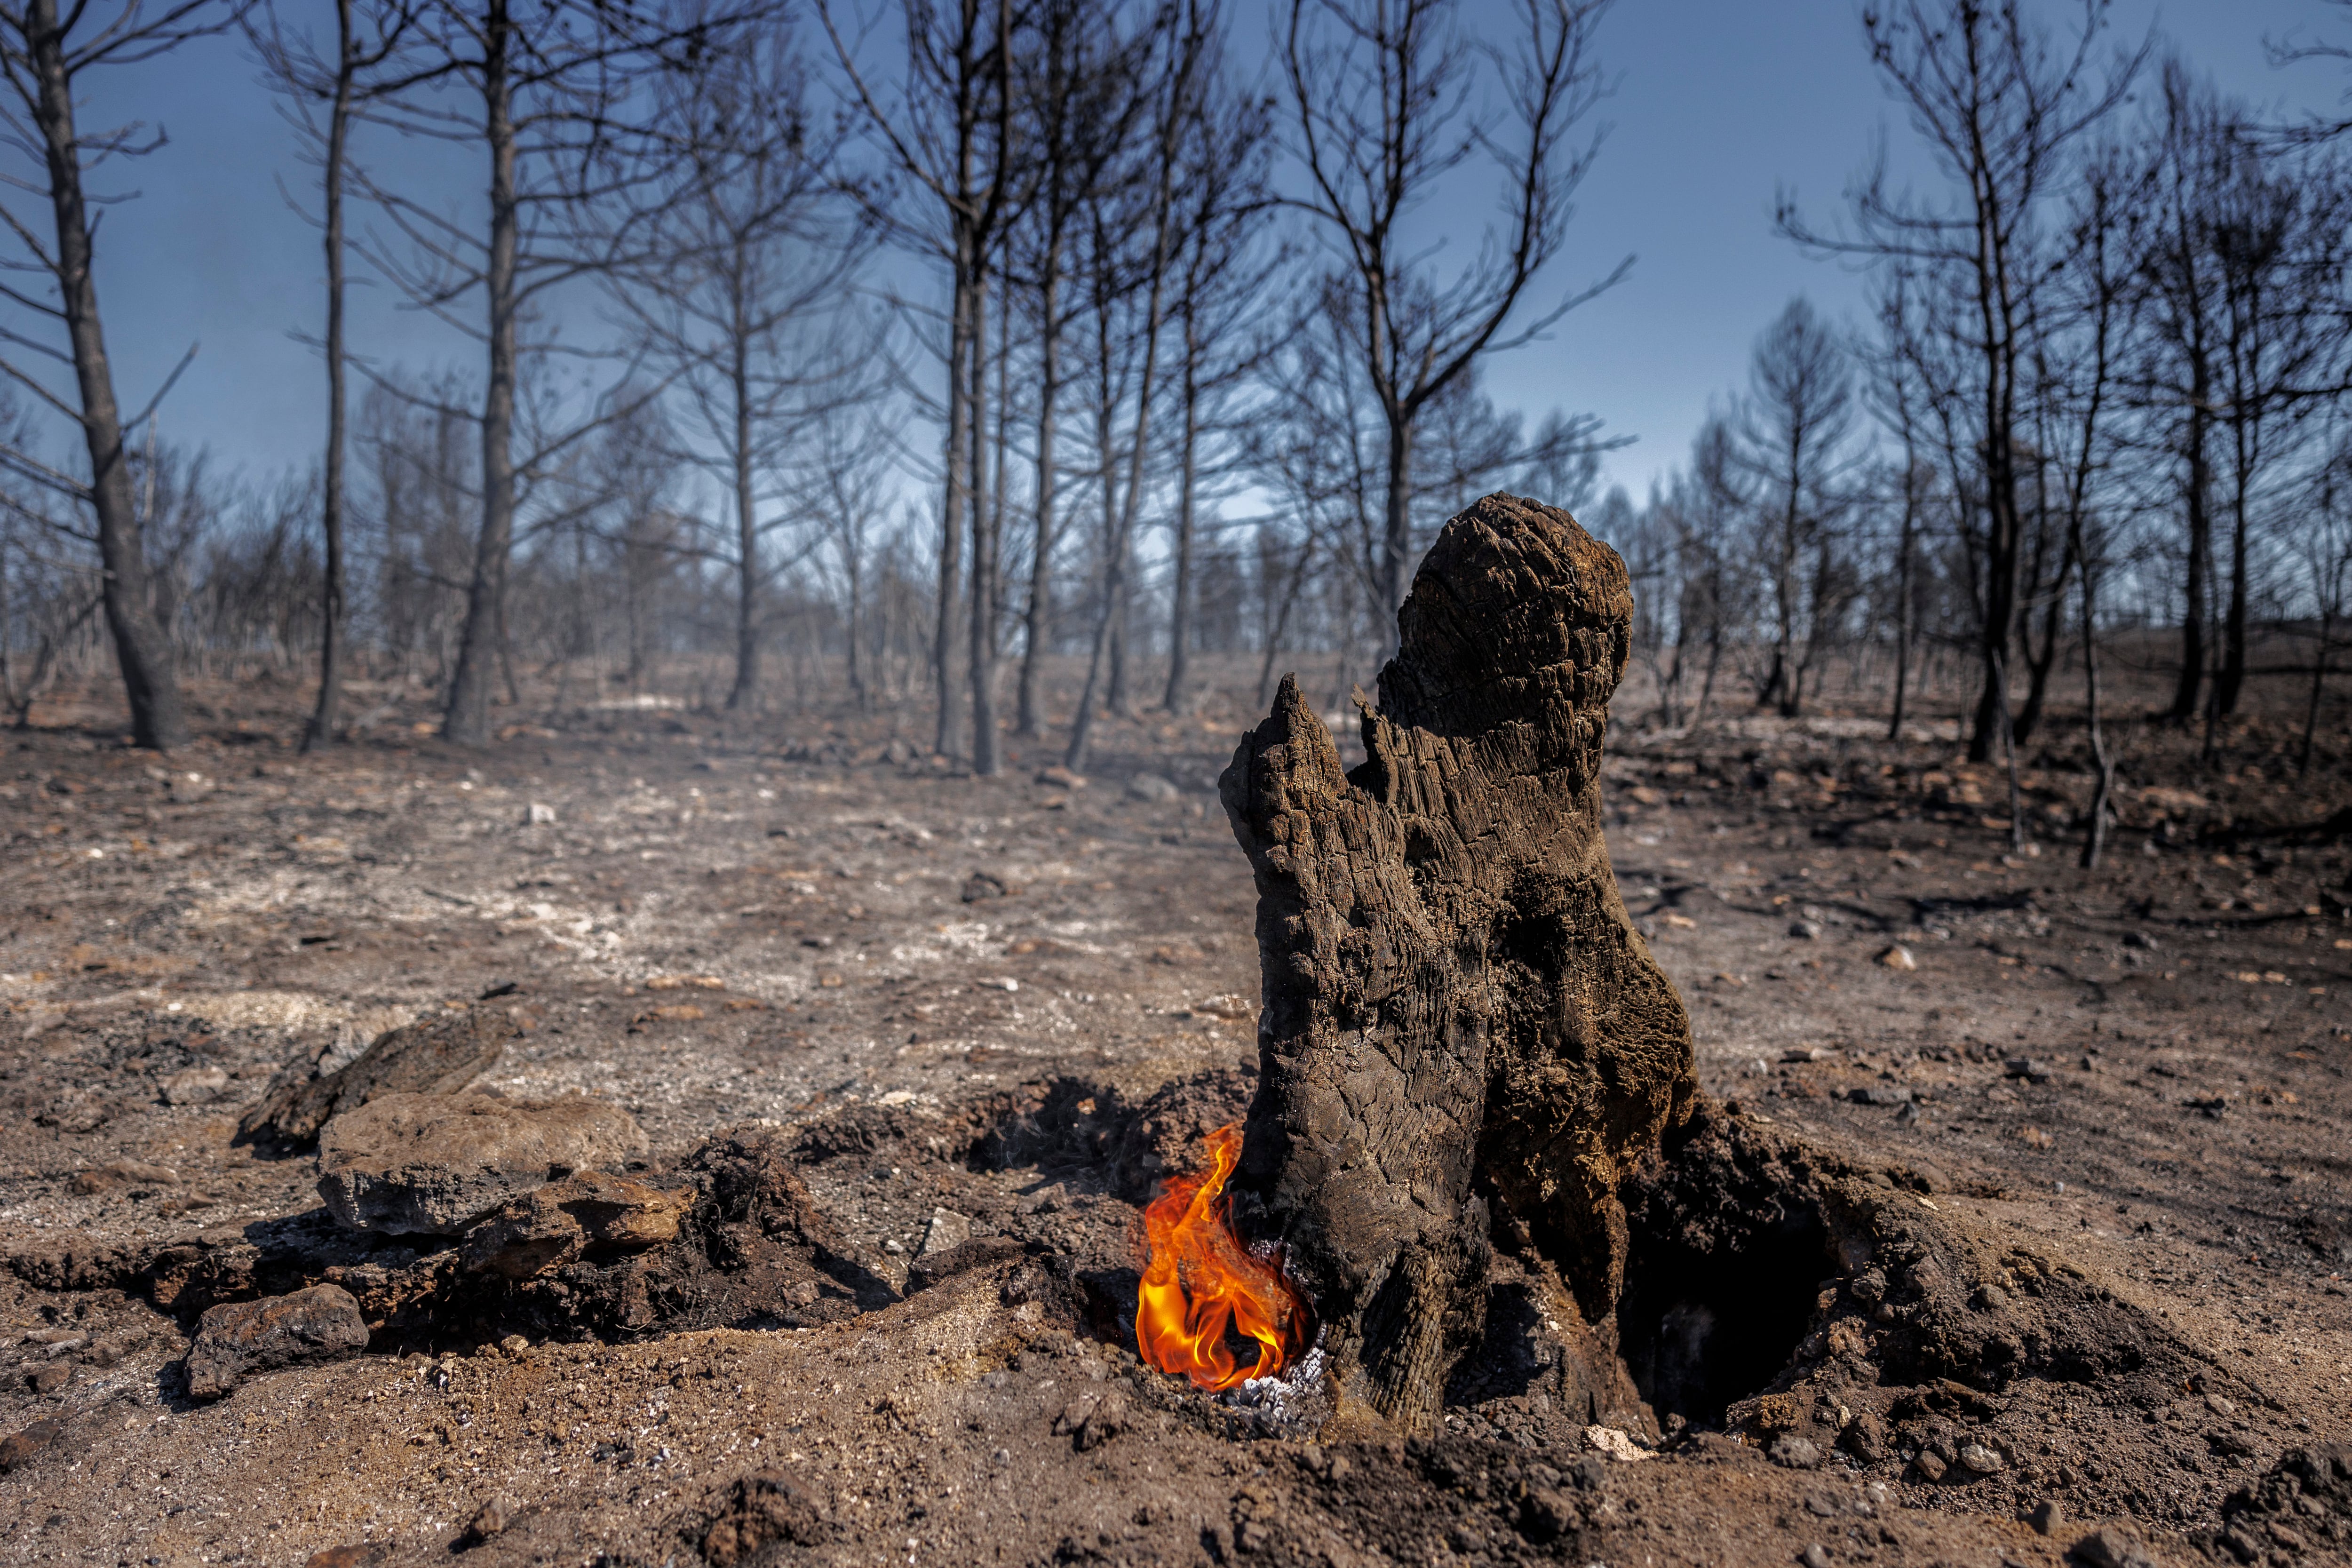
<point>1458,1011</point>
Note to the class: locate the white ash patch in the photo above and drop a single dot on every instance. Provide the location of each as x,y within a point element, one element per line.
<point>1291,1403</point>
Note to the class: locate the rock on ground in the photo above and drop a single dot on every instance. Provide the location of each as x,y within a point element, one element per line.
<point>240,1338</point>
<point>586,1215</point>
<point>438,1054</point>
<point>411,1163</point>
<point>21,1447</point>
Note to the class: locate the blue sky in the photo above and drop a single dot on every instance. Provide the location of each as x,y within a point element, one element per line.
<point>1719,102</point>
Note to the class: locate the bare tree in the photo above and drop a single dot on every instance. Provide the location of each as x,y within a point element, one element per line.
<point>1792,437</point>
<point>2281,247</point>
<point>1223,280</point>
<point>1717,595</point>
<point>1998,102</point>
<point>1893,387</point>
<point>950,133</point>
<point>365,64</point>
<point>2326,549</point>
<point>1390,107</point>
<point>2076,364</point>
<point>1320,442</point>
<point>1084,96</point>
<point>1116,254</point>
<point>848,490</point>
<point>2175,377</point>
<point>556,95</point>
<point>742,295</point>
<point>47,57</point>
<point>47,597</point>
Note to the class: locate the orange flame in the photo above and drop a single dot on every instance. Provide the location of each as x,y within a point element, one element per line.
<point>1200,1285</point>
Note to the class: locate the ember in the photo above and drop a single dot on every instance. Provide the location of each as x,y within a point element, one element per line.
<point>1202,1290</point>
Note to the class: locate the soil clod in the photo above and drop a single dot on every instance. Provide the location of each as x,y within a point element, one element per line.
<point>239,1339</point>
<point>405,1163</point>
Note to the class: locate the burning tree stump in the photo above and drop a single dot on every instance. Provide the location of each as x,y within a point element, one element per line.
<point>1456,1005</point>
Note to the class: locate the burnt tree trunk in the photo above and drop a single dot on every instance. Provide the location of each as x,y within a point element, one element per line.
<point>1458,1008</point>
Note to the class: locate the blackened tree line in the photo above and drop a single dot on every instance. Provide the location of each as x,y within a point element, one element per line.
<point>1133,286</point>
<point>2105,377</point>
<point>1097,180</point>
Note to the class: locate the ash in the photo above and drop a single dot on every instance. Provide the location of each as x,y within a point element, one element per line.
<point>1286,1404</point>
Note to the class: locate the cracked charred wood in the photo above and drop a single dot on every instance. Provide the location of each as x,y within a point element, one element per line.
<point>1457,1004</point>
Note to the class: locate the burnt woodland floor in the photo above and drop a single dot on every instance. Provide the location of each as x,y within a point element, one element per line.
<point>959,998</point>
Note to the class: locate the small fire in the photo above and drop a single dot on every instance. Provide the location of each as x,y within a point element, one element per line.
<point>1201,1288</point>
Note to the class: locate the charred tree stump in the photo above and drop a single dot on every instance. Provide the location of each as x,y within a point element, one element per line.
<point>1458,1008</point>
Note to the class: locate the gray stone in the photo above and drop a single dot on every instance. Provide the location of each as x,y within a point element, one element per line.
<point>418,1162</point>
<point>1152,786</point>
<point>1797,1453</point>
<point>1812,1556</point>
<point>1805,931</point>
<point>1979,1459</point>
<point>2046,1517</point>
<point>240,1338</point>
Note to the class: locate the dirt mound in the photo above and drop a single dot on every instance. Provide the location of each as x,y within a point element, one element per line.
<point>2300,1509</point>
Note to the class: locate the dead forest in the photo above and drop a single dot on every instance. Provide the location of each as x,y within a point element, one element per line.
<point>966,856</point>
<point>936,346</point>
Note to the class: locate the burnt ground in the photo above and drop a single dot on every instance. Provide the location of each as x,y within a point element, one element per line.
<point>2126,1090</point>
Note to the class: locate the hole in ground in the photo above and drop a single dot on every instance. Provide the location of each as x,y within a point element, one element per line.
<point>1729,1254</point>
